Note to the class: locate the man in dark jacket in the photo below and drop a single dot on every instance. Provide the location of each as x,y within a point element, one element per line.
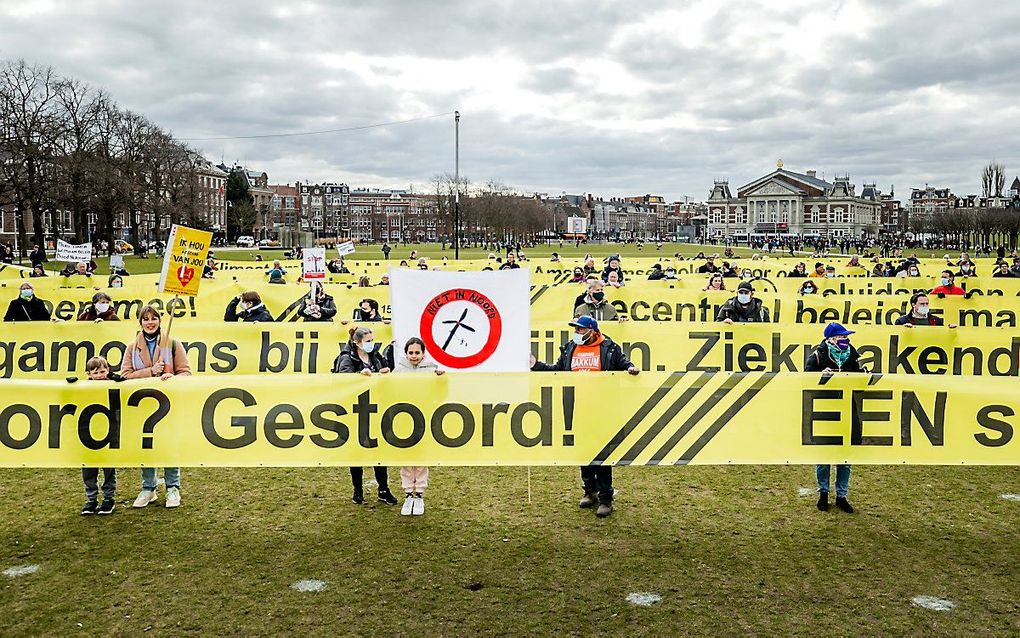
<point>744,308</point>
<point>919,314</point>
<point>252,309</point>
<point>27,307</point>
<point>590,350</point>
<point>834,354</point>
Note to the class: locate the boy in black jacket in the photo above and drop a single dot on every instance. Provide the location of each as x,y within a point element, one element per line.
<point>98,369</point>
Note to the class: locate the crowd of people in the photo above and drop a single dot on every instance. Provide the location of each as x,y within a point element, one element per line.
<point>151,354</point>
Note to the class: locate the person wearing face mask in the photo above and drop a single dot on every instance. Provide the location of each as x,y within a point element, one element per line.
<point>746,274</point>
<point>115,281</point>
<point>360,356</point>
<point>251,308</point>
<point>38,271</point>
<point>595,304</point>
<point>590,350</point>
<point>830,272</point>
<point>100,310</point>
<point>744,308</point>
<point>26,306</point>
<point>807,288</point>
<point>578,277</point>
<point>967,269</point>
<point>948,285</point>
<point>669,273</point>
<point>913,271</point>
<point>368,310</point>
<point>834,354</point>
<point>920,313</point>
<point>317,305</point>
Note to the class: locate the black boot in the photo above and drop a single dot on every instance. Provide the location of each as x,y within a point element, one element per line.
<point>844,505</point>
<point>823,501</point>
<point>359,496</point>
<point>589,500</point>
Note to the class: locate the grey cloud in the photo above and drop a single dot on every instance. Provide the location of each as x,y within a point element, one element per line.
<point>863,105</point>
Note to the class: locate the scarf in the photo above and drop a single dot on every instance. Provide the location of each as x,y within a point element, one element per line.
<point>837,355</point>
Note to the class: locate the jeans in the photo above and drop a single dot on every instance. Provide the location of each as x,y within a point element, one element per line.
<point>598,479</point>
<point>171,475</point>
<point>381,477</point>
<point>842,479</point>
<point>90,476</point>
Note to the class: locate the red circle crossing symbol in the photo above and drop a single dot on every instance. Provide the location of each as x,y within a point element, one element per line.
<point>461,328</point>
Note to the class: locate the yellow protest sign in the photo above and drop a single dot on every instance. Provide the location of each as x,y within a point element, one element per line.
<point>185,257</point>
<point>59,350</point>
<point>512,419</point>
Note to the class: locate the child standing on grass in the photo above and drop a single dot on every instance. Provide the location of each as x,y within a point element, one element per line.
<point>98,369</point>
<point>414,479</point>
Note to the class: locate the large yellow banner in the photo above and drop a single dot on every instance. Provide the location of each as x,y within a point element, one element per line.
<point>57,351</point>
<point>512,419</point>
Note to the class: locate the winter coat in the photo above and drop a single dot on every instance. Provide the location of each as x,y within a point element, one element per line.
<point>754,312</point>
<point>90,314</point>
<point>327,308</point>
<point>137,364</point>
<point>425,366</point>
<point>33,309</point>
<point>350,362</point>
<point>819,359</point>
<point>258,313</point>
<point>601,312</point>
<point>611,358</point>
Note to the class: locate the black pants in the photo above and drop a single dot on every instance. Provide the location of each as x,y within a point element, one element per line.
<point>598,479</point>
<point>381,477</point>
<point>90,476</point>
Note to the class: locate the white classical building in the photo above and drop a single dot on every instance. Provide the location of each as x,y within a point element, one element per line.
<point>784,202</point>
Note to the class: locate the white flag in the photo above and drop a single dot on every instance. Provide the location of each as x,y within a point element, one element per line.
<point>476,321</point>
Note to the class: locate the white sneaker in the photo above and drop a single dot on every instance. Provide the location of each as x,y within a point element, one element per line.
<point>173,497</point>
<point>408,507</point>
<point>145,497</point>
<point>418,507</point>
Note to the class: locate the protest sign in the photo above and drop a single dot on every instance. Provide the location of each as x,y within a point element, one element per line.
<point>185,257</point>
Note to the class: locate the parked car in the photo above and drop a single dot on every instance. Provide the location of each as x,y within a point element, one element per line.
<point>123,246</point>
<point>245,241</point>
<point>269,243</point>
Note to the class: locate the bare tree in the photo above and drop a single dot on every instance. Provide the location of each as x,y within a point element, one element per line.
<point>28,107</point>
<point>993,179</point>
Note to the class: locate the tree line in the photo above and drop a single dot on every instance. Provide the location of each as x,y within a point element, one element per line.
<point>489,211</point>
<point>77,165</point>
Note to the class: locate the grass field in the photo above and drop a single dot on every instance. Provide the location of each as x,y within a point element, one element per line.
<point>731,550</point>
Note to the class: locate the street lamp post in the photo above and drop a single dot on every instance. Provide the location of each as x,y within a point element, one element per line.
<point>456,180</point>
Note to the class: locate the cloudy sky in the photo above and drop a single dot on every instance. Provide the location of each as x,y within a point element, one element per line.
<point>612,98</point>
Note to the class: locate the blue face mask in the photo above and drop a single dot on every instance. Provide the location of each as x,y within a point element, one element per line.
<point>28,293</point>
<point>368,346</point>
<point>743,297</point>
<point>945,281</point>
<point>579,338</point>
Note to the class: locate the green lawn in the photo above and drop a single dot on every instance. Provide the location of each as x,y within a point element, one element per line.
<point>152,264</point>
<point>731,550</point>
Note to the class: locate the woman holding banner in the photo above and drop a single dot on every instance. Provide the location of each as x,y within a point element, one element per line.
<point>360,356</point>
<point>154,354</point>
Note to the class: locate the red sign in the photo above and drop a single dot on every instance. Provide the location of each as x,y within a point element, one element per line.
<point>461,310</point>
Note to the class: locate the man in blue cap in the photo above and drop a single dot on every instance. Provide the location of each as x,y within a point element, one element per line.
<point>591,351</point>
<point>834,354</point>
